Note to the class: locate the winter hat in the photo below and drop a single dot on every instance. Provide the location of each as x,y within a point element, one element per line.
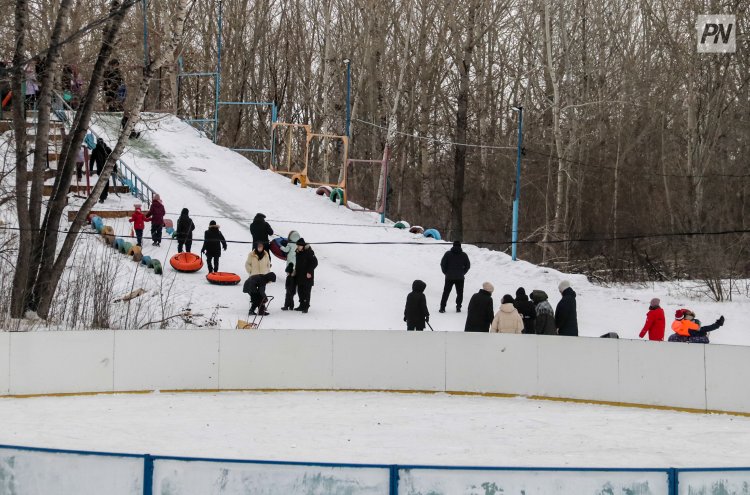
<point>270,277</point>
<point>301,242</point>
<point>457,244</point>
<point>655,302</point>
<point>157,198</point>
<point>488,287</point>
<point>507,298</point>
<point>212,223</point>
<point>184,211</point>
<point>563,285</point>
<point>520,292</point>
<point>679,314</point>
<point>137,207</point>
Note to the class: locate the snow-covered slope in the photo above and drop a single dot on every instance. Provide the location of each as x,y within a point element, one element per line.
<point>357,286</point>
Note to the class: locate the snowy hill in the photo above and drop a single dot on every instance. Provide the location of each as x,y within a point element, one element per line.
<point>358,286</point>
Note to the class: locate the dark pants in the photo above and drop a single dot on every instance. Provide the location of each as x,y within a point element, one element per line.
<point>156,233</point>
<point>303,291</point>
<point>187,243</point>
<point>105,192</point>
<point>413,327</point>
<point>79,171</point>
<point>447,290</point>
<point>212,267</point>
<point>139,236</point>
<point>291,288</point>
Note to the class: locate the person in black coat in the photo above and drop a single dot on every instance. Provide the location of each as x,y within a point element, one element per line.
<point>260,230</point>
<point>213,242</point>
<point>256,287</point>
<point>184,231</point>
<point>415,311</point>
<point>97,159</point>
<point>566,315</point>
<point>455,264</point>
<point>304,274</point>
<point>526,309</point>
<point>481,310</point>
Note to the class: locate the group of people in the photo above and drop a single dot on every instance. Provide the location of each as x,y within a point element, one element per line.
<point>301,263</point>
<point>533,314</point>
<point>686,327</point>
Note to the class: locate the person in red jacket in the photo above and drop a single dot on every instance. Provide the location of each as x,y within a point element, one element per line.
<point>655,322</point>
<point>138,220</point>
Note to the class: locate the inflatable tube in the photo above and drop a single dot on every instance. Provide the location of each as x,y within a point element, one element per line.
<point>134,249</point>
<point>433,234</point>
<point>126,247</point>
<point>276,248</point>
<point>323,191</point>
<point>118,243</point>
<point>416,230</point>
<point>156,265</point>
<point>108,234</point>
<point>186,262</point>
<point>152,262</point>
<point>338,196</point>
<point>299,180</point>
<point>146,260</point>
<point>223,278</point>
<point>93,217</point>
<point>402,224</point>
<point>137,256</point>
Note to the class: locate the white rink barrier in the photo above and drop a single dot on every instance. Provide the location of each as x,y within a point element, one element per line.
<point>674,375</point>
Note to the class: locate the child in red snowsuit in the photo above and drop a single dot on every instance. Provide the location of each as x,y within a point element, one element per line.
<point>655,322</point>
<point>139,222</point>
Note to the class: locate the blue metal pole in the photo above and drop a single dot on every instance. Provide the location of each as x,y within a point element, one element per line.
<point>348,97</point>
<point>517,199</point>
<point>218,74</point>
<point>273,121</point>
<point>145,33</point>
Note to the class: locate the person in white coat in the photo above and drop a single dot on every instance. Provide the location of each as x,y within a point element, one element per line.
<point>507,319</point>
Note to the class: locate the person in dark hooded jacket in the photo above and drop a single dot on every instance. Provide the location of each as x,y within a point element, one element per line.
<point>525,309</point>
<point>481,310</point>
<point>260,230</point>
<point>566,315</point>
<point>256,287</point>
<point>455,264</point>
<point>213,242</point>
<point>304,274</point>
<point>184,231</point>
<point>544,321</point>
<point>415,311</point>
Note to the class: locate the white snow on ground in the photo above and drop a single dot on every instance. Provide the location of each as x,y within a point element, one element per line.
<point>378,428</point>
<point>357,286</point>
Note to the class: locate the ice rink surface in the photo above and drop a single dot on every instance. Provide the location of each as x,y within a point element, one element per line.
<point>384,428</point>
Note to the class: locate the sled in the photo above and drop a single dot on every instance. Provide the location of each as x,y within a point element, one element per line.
<point>186,262</point>
<point>223,278</point>
<point>254,324</point>
<point>276,248</point>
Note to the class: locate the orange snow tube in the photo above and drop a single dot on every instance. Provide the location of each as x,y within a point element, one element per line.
<point>223,278</point>
<point>186,262</point>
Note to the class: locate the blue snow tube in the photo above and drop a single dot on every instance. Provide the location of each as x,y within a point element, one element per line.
<point>276,248</point>
<point>432,233</point>
<point>146,260</point>
<point>170,230</point>
<point>118,243</point>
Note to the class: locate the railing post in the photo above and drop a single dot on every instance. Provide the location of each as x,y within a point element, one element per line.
<point>148,475</point>
<point>674,480</point>
<point>393,488</point>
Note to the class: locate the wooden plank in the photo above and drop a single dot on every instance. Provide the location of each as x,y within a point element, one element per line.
<point>82,189</point>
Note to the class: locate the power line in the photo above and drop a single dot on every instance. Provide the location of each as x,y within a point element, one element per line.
<point>435,242</point>
<point>435,140</point>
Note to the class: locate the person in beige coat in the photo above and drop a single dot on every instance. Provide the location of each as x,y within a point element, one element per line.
<point>258,261</point>
<point>507,320</point>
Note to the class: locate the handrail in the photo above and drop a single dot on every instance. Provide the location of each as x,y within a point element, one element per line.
<point>126,175</point>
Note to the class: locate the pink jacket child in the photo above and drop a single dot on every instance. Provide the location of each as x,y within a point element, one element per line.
<point>138,220</point>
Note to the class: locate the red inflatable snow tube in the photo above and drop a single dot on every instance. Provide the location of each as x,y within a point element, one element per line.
<point>276,248</point>
<point>223,278</point>
<point>186,262</point>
